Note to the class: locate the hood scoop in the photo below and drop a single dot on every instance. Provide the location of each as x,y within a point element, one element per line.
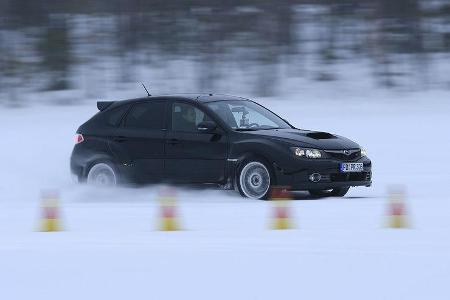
<point>320,135</point>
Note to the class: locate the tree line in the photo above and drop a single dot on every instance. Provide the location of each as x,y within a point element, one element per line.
<point>43,42</point>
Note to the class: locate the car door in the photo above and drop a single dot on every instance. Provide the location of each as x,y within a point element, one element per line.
<point>193,156</point>
<point>140,140</point>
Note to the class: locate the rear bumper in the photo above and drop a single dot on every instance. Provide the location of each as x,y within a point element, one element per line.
<point>298,178</point>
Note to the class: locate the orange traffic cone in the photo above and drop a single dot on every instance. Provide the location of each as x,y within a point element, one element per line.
<point>168,214</point>
<point>282,215</point>
<point>396,211</point>
<point>50,212</point>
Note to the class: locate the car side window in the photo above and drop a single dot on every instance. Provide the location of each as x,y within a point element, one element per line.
<point>246,116</point>
<point>224,111</point>
<point>186,117</point>
<point>148,115</point>
<point>114,116</point>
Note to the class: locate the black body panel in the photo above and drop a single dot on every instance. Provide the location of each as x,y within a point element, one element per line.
<point>140,151</point>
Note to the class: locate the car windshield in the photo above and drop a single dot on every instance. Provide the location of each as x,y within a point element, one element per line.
<point>244,115</point>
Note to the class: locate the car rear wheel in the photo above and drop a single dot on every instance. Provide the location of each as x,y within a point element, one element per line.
<point>254,180</point>
<point>336,192</point>
<point>102,174</point>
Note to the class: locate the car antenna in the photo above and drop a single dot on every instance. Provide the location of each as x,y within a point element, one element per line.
<point>148,94</point>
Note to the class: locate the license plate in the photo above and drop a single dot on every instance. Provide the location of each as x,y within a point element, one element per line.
<point>351,167</point>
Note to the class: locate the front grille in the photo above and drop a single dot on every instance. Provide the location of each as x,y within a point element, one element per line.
<point>342,177</point>
<point>340,155</point>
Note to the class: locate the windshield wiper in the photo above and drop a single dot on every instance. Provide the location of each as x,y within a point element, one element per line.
<point>255,129</point>
<point>246,129</point>
<point>270,128</point>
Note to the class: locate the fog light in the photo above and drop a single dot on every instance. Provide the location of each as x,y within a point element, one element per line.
<point>315,177</point>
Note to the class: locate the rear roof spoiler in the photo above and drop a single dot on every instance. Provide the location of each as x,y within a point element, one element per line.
<point>102,105</point>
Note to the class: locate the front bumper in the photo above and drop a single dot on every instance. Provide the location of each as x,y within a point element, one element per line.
<point>297,176</point>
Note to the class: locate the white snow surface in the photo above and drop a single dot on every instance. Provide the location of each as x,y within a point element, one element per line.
<point>340,248</point>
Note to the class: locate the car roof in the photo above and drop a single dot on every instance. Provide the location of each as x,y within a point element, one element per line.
<point>204,98</point>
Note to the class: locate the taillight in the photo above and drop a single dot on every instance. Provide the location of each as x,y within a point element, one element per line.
<point>78,138</point>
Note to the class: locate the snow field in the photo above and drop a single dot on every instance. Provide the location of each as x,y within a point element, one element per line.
<point>339,249</point>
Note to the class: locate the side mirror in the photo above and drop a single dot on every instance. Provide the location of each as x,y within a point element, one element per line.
<point>206,126</point>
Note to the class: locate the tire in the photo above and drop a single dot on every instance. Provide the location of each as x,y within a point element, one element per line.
<point>102,174</point>
<point>254,179</point>
<point>336,192</point>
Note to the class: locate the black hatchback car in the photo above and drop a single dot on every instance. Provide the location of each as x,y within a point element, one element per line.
<point>206,138</point>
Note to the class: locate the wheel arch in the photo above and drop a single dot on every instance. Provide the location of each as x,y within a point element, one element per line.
<point>274,152</point>
<point>255,155</point>
<point>96,159</point>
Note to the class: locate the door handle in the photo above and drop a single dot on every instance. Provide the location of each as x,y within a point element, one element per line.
<point>119,139</point>
<point>172,141</point>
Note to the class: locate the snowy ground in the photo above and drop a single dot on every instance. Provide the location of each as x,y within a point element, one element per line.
<point>339,249</point>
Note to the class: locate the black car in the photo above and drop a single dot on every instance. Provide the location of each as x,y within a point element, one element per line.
<point>206,138</point>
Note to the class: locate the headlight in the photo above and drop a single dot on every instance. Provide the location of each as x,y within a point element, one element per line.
<point>308,153</point>
<point>363,152</point>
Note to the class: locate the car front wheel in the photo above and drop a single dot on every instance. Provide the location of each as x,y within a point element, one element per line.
<point>336,192</point>
<point>254,179</point>
<point>102,174</point>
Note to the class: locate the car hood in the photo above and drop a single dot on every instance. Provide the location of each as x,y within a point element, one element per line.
<point>308,138</point>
